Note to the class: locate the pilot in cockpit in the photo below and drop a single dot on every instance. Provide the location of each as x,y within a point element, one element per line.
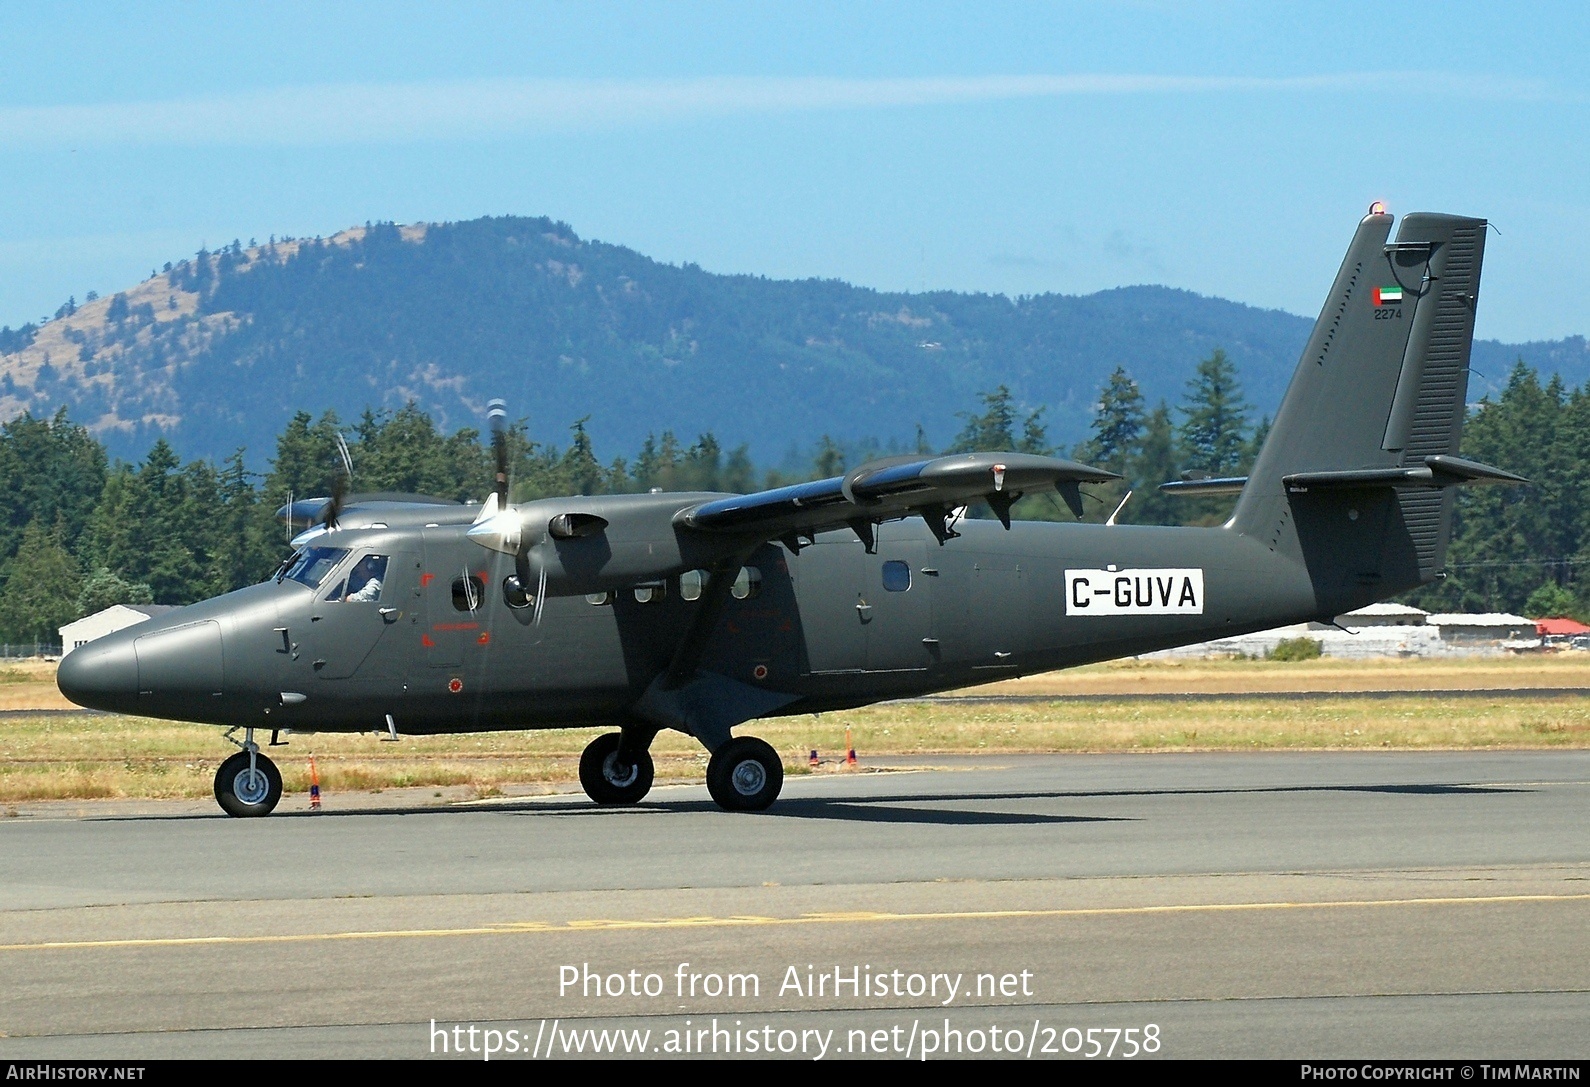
<point>364,580</point>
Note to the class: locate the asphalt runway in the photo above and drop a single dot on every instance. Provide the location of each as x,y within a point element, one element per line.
<point>1357,905</point>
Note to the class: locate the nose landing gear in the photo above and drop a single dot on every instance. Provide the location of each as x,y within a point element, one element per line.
<point>248,783</point>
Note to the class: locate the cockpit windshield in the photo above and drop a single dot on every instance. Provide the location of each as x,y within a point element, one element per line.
<point>311,565</point>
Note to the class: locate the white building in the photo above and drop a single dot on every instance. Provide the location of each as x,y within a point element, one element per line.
<point>1493,626</point>
<point>1385,614</point>
<point>114,618</point>
<point>1384,630</point>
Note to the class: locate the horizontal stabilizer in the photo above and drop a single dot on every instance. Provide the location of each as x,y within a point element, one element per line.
<point>1438,471</point>
<point>892,488</point>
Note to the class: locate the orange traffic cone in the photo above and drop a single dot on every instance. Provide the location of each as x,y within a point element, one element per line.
<point>314,785</point>
<point>850,750</point>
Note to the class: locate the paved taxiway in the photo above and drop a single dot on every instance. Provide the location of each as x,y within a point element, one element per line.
<point>1373,904</point>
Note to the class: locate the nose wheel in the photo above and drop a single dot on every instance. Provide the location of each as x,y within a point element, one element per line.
<point>613,776</point>
<point>248,783</point>
<point>745,774</point>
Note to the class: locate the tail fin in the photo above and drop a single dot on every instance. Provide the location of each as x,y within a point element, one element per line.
<point>1355,476</point>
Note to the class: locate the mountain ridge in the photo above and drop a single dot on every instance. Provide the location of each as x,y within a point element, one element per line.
<point>220,350</point>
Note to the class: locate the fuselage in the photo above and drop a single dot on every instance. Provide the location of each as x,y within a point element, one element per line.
<point>831,626</point>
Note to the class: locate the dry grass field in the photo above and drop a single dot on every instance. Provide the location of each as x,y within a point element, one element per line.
<point>30,685</point>
<point>1132,676</point>
<point>50,757</point>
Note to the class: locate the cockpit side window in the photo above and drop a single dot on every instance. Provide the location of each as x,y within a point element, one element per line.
<point>313,565</point>
<point>365,579</point>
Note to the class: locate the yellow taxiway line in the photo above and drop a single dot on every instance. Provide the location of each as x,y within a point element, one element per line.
<point>751,921</point>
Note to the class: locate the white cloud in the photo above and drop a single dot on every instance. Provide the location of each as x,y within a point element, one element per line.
<point>400,112</point>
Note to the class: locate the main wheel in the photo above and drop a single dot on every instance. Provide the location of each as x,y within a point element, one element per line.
<point>244,792</point>
<point>745,774</point>
<point>611,778</point>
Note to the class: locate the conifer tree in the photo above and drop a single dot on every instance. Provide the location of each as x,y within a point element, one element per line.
<point>1154,463</point>
<point>581,471</point>
<point>1117,423</point>
<point>994,431</point>
<point>830,458</point>
<point>41,588</point>
<point>1507,540</point>
<point>1214,430</point>
<point>104,588</point>
<point>51,471</point>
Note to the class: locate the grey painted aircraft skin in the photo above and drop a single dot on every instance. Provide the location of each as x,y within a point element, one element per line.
<point>701,612</point>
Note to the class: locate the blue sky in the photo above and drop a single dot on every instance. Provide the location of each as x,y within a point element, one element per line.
<point>1224,147</point>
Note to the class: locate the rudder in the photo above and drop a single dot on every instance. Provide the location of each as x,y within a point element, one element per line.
<point>1428,407</point>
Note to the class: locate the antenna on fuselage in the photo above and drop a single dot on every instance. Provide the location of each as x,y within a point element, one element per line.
<point>1124,499</point>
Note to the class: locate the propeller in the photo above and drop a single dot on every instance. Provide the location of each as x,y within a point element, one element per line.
<point>326,517</point>
<point>497,526</point>
<point>339,485</point>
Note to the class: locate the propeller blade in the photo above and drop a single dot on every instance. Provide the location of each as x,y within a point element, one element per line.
<point>339,495</point>
<point>347,457</point>
<point>334,505</point>
<point>339,485</point>
<point>497,417</point>
<point>541,595</point>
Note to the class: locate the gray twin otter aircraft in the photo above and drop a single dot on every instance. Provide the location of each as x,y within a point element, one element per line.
<point>700,612</point>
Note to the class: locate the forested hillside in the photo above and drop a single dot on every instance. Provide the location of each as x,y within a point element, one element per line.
<point>79,532</point>
<point>219,351</point>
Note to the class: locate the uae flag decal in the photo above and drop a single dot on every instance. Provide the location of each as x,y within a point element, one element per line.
<point>1388,296</point>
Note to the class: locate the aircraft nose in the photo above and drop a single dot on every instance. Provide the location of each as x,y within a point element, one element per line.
<point>102,675</point>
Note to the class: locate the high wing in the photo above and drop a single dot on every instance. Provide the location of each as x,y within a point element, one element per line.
<point>595,543</point>
<point>890,489</point>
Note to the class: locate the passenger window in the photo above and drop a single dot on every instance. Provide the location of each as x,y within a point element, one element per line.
<point>691,583</point>
<point>896,576</point>
<point>747,583</point>
<point>597,600</point>
<point>365,579</point>
<point>468,593</point>
<point>651,592</point>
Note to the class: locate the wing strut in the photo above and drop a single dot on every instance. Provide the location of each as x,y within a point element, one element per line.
<point>863,530</point>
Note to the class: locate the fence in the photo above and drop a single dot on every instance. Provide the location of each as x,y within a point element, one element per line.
<point>34,649</point>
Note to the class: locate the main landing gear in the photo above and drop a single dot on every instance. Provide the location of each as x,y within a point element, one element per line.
<point>613,773</point>
<point>744,774</point>
<point>248,783</point>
